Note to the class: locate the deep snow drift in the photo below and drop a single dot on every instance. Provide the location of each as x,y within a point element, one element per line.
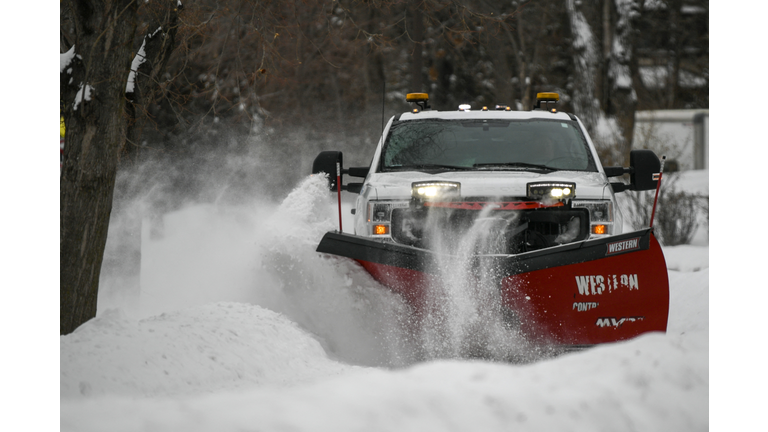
<point>240,325</point>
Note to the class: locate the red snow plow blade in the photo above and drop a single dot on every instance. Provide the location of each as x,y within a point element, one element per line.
<point>577,294</point>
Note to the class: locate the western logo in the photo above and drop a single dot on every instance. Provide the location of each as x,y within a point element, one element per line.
<point>622,246</point>
<point>598,284</point>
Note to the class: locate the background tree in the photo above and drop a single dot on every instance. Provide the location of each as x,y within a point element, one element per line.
<point>100,39</point>
<point>249,66</point>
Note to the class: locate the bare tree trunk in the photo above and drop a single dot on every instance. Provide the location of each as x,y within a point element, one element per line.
<point>603,85</point>
<point>522,61</point>
<point>93,109</point>
<point>416,30</point>
<point>585,60</point>
<point>523,68</point>
<point>603,89</point>
<point>673,63</point>
<point>622,96</point>
<point>373,68</point>
<point>146,80</point>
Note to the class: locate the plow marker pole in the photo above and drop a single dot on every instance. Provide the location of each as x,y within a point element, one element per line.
<point>657,177</point>
<point>338,190</point>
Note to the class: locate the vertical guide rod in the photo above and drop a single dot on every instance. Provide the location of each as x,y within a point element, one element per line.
<point>658,186</point>
<point>338,190</point>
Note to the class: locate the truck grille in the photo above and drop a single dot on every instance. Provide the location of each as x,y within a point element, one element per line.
<point>494,231</point>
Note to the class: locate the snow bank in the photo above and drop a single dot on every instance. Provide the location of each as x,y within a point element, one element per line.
<point>688,268</point>
<point>198,350</point>
<point>652,383</point>
<point>687,258</point>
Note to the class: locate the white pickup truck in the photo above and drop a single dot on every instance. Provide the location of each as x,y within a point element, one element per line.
<point>541,166</point>
<point>532,184</point>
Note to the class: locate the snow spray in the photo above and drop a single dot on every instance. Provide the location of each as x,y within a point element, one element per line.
<point>463,317</point>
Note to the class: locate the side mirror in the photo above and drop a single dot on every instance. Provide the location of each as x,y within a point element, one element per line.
<point>326,162</point>
<point>643,164</point>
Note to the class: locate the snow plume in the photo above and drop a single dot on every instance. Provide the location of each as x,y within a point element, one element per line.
<point>356,319</point>
<point>229,245</point>
<point>463,316</point>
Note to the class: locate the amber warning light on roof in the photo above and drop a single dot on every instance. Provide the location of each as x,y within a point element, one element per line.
<point>420,99</point>
<point>547,101</point>
<point>416,97</point>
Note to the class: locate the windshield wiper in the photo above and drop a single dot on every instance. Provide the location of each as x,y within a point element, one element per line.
<point>508,165</point>
<point>433,166</point>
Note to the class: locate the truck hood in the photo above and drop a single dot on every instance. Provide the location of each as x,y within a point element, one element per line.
<point>397,185</point>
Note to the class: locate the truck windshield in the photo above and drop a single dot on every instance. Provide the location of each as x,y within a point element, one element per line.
<point>490,144</point>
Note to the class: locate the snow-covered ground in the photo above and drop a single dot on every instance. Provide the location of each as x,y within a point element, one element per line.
<point>240,325</point>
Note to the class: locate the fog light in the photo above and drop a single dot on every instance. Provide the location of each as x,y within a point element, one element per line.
<point>599,229</point>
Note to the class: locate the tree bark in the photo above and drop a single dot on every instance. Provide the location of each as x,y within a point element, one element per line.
<point>93,108</point>
<point>158,44</point>
<point>622,98</point>
<point>416,31</point>
<point>585,62</point>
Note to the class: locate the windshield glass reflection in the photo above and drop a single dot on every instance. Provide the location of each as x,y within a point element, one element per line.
<point>545,145</point>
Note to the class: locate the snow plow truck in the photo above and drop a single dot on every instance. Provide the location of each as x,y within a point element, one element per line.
<point>532,184</point>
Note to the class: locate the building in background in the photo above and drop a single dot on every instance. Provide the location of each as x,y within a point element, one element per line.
<point>681,135</point>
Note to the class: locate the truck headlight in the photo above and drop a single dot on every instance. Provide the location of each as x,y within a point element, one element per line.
<point>380,216</point>
<point>551,190</point>
<point>600,215</point>
<point>430,191</point>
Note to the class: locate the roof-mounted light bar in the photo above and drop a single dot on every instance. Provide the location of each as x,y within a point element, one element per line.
<point>548,100</point>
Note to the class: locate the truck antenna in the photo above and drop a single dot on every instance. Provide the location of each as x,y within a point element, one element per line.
<point>383,98</point>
